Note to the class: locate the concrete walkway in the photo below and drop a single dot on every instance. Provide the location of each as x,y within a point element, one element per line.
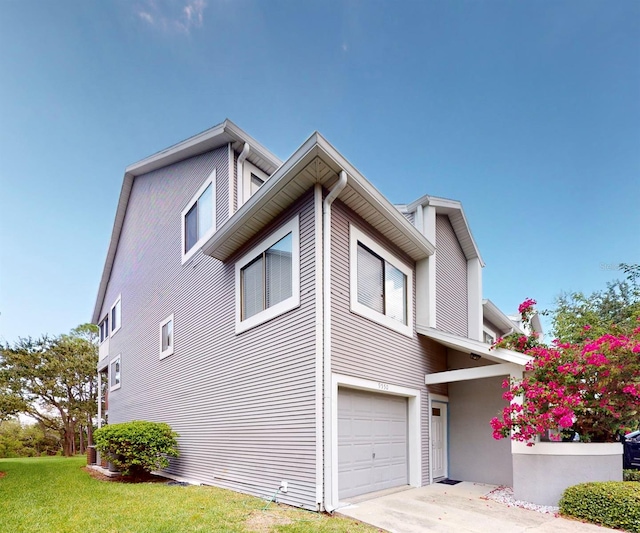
<point>453,509</point>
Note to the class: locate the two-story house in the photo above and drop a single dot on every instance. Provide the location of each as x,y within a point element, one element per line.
<point>292,325</point>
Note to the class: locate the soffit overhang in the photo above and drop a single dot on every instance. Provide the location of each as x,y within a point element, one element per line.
<point>493,314</point>
<point>470,346</point>
<point>316,161</point>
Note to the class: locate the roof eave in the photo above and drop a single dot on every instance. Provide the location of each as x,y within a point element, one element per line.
<point>470,346</point>
<point>315,145</point>
<point>493,313</point>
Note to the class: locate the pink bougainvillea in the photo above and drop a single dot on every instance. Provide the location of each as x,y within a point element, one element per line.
<point>591,388</point>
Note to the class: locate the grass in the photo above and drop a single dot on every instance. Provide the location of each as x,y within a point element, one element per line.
<point>54,494</point>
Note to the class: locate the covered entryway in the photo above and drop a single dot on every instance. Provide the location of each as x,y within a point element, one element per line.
<point>372,442</point>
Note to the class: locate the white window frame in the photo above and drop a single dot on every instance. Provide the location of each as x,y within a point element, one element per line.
<point>117,303</point>
<point>248,169</point>
<point>211,180</point>
<point>293,227</point>
<point>356,236</point>
<point>117,358</point>
<point>491,333</point>
<point>102,326</point>
<point>169,350</point>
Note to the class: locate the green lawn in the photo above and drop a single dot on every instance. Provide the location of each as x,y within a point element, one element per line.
<point>54,495</point>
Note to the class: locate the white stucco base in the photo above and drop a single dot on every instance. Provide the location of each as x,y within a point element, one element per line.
<point>542,472</point>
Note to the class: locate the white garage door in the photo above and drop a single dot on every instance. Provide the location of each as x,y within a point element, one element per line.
<point>372,442</point>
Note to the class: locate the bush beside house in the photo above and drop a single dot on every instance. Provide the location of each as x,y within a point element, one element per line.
<point>610,504</point>
<point>137,447</point>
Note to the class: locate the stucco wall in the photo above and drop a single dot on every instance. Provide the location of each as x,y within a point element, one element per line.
<point>474,455</point>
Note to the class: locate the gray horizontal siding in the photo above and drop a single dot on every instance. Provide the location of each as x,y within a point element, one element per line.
<point>451,280</point>
<point>368,350</point>
<point>244,405</point>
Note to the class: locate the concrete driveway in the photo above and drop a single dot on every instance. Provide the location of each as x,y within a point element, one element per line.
<point>455,508</point>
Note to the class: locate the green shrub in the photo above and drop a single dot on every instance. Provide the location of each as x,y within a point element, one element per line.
<point>612,504</point>
<point>631,475</point>
<point>138,446</point>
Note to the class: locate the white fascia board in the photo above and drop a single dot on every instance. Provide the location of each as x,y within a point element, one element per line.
<point>214,137</point>
<point>316,145</point>
<point>278,180</point>
<point>362,186</point>
<point>125,193</point>
<point>476,372</point>
<point>492,313</point>
<point>446,206</point>
<point>210,139</point>
<point>465,345</point>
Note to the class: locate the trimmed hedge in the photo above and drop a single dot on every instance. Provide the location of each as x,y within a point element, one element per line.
<point>612,504</point>
<point>137,447</point>
<point>631,475</point>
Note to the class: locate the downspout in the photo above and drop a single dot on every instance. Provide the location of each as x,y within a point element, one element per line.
<point>326,341</point>
<point>239,178</point>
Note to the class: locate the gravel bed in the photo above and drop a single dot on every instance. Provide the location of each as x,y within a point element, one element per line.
<point>505,495</point>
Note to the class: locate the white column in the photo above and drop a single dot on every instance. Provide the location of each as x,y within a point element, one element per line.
<point>474,298</point>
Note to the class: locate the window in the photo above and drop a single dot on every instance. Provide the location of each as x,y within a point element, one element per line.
<point>198,218</point>
<point>116,315</point>
<point>104,329</point>
<point>488,338</point>
<point>166,337</point>
<point>114,373</point>
<point>252,179</point>
<point>381,284</point>
<point>268,278</point>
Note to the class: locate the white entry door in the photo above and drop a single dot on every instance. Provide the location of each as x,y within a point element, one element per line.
<point>439,457</point>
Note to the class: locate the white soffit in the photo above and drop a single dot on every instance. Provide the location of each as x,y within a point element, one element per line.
<point>316,161</point>
<point>465,345</point>
<point>493,314</point>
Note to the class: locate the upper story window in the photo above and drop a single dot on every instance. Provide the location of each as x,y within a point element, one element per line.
<point>166,337</point>
<point>268,278</point>
<point>198,218</point>
<point>381,284</point>
<point>115,367</point>
<point>488,338</point>
<point>116,315</point>
<point>104,329</point>
<point>252,179</point>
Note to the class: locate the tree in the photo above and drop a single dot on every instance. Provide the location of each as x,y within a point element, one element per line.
<point>53,380</point>
<point>614,310</point>
<point>590,387</point>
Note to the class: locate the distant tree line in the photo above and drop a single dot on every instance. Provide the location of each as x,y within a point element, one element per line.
<point>54,381</point>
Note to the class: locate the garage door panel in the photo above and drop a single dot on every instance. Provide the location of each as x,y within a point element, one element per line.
<point>372,442</point>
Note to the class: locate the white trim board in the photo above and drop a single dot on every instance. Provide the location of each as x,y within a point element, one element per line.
<point>413,434</point>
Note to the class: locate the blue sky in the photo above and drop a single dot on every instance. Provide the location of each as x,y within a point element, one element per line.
<point>526,112</point>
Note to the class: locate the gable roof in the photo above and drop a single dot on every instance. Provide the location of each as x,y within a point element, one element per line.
<point>316,161</point>
<point>492,313</point>
<point>453,209</point>
<point>220,135</point>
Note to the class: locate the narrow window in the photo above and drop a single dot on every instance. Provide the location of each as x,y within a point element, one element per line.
<point>104,329</point>
<point>166,337</point>
<point>116,315</point>
<point>198,218</point>
<point>115,373</point>
<point>256,183</point>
